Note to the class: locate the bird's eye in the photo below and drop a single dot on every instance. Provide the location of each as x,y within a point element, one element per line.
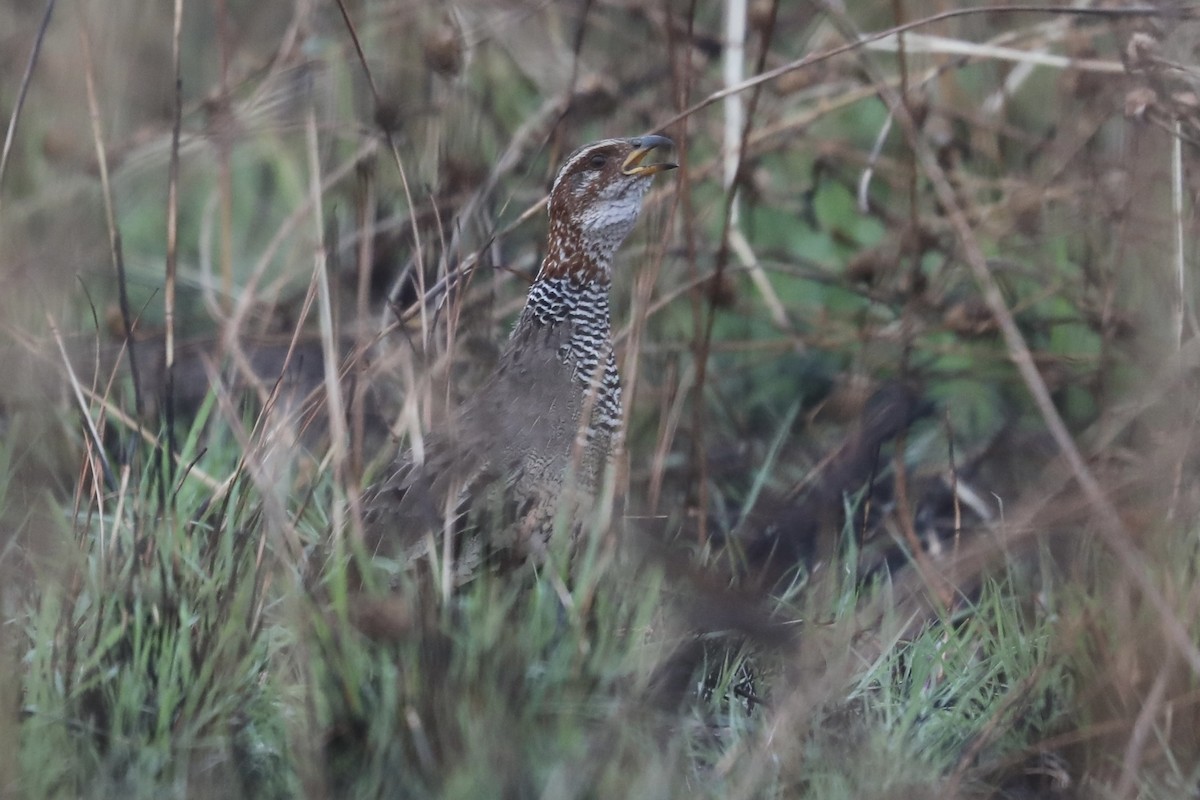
<point>597,161</point>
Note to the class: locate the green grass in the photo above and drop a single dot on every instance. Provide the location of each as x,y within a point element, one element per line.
<point>188,654</point>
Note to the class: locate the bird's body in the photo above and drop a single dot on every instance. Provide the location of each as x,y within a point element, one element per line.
<point>544,425</point>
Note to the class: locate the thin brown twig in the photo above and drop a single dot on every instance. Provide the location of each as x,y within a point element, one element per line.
<point>953,480</point>
<point>1143,725</point>
<point>223,139</point>
<point>116,251</point>
<point>800,63</point>
<point>367,208</point>
<point>904,516</point>
<point>272,508</point>
<point>418,249</point>
<point>79,392</point>
<point>23,91</point>
<point>168,400</point>
<point>335,404</point>
<point>682,92</point>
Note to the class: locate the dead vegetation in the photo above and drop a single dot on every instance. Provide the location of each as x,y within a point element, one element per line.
<point>909,350</point>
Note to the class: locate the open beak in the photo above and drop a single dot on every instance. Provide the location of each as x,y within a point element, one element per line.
<point>642,147</point>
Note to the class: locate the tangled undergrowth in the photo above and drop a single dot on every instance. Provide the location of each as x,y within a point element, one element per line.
<point>908,503</point>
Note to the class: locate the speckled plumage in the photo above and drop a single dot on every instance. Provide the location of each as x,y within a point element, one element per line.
<point>548,419</point>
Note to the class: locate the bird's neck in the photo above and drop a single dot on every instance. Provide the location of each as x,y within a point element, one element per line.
<point>584,258</point>
<point>573,282</point>
<point>579,299</point>
<point>580,303</point>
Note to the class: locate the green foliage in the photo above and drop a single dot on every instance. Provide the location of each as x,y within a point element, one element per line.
<point>182,657</point>
<point>147,659</point>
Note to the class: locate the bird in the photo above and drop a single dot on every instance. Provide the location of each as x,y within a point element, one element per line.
<point>544,426</point>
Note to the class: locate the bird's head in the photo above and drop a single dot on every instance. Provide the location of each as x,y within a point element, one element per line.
<point>597,195</point>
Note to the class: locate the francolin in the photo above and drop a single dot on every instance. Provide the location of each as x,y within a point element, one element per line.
<point>545,424</point>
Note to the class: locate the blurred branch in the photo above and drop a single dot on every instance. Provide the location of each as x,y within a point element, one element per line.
<point>23,91</point>
<point>116,251</point>
<point>418,249</point>
<point>1108,521</point>
<point>168,400</point>
<point>96,442</point>
<point>866,40</point>
<point>733,74</point>
<point>942,45</point>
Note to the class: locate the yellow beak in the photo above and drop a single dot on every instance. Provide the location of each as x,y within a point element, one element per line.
<point>642,147</point>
